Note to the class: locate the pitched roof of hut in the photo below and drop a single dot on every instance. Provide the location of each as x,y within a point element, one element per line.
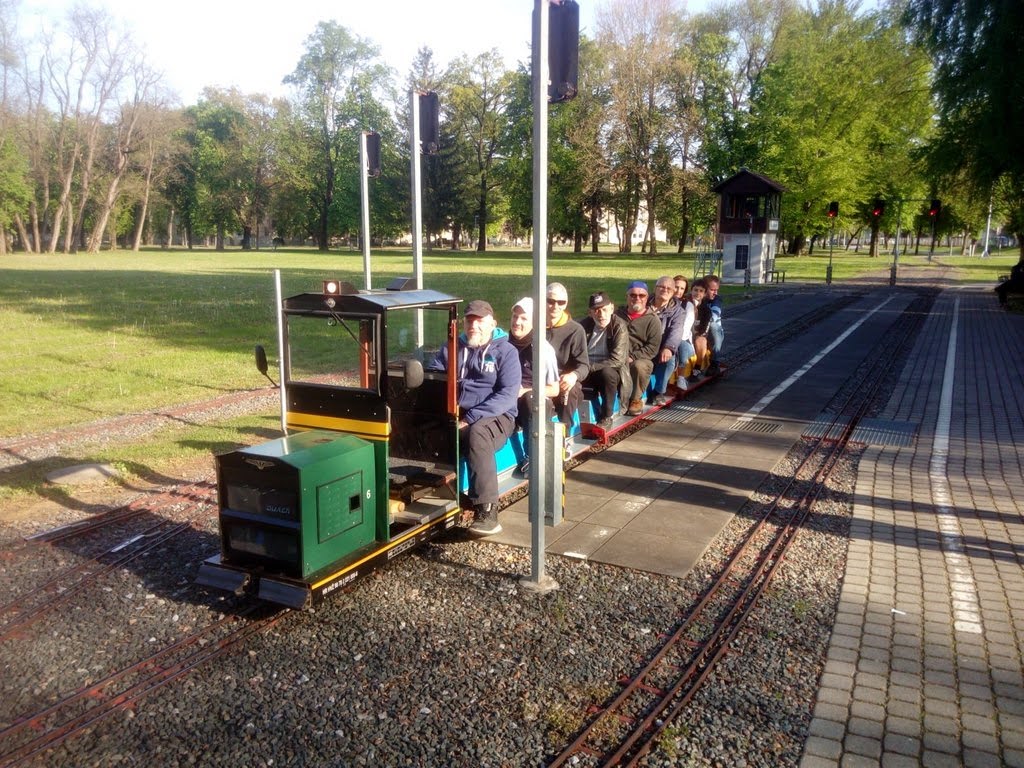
<point>747,182</point>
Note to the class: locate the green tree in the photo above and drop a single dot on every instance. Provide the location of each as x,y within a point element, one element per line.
<point>338,78</point>
<point>15,190</point>
<point>479,93</point>
<point>979,79</point>
<point>639,39</point>
<point>218,157</point>
<point>820,124</point>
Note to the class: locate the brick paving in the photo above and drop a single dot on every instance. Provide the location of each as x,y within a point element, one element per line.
<point>925,662</point>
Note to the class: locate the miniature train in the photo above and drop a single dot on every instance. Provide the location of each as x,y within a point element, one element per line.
<point>369,467</point>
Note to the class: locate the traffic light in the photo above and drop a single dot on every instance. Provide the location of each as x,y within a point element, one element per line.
<point>563,50</point>
<point>372,154</point>
<point>833,209</point>
<point>430,132</point>
<point>934,208</point>
<point>878,208</point>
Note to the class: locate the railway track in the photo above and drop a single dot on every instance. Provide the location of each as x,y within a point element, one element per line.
<point>624,729</point>
<point>22,450</point>
<point>35,732</point>
<point>152,502</point>
<point>187,503</point>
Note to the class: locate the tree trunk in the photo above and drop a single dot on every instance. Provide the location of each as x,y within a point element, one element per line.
<point>140,221</point>
<point>652,205</point>
<point>684,224</point>
<point>69,230</point>
<point>33,243</point>
<point>26,242</point>
<point>58,214</point>
<point>856,234</point>
<point>481,214</point>
<point>85,185</point>
<point>96,237</point>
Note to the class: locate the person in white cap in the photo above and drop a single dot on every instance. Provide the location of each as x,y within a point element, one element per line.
<point>522,337</point>
<point>489,379</point>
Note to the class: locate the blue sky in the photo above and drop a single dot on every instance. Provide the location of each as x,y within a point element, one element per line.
<point>253,45</point>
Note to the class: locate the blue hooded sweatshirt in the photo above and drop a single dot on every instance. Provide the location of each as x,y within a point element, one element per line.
<point>489,376</point>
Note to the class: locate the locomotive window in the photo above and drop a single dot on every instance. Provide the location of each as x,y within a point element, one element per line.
<point>340,350</point>
<point>405,328</point>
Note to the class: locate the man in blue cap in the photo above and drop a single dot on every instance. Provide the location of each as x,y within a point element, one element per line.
<point>489,378</point>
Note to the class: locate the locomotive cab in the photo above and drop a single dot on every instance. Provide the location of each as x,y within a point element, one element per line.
<point>367,467</point>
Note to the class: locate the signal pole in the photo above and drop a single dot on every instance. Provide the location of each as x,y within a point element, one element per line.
<point>553,80</point>
<point>833,211</point>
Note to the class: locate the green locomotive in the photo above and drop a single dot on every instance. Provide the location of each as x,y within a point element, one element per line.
<point>368,466</point>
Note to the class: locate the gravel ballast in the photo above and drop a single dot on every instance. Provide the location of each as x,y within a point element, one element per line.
<point>439,659</point>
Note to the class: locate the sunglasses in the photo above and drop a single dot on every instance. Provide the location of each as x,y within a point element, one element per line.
<point>637,295</point>
<point>557,302</point>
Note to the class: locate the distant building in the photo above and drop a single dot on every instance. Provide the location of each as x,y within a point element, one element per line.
<point>748,225</point>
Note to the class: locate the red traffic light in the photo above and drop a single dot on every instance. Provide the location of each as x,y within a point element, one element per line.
<point>833,209</point>
<point>934,208</point>
<point>878,208</point>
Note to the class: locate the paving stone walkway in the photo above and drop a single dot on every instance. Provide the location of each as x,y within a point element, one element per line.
<point>925,662</point>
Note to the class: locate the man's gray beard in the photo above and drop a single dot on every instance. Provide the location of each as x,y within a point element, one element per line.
<point>479,341</point>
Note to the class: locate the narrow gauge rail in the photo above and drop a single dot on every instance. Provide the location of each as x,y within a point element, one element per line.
<point>626,728</point>
<point>17,451</point>
<point>35,603</point>
<point>36,732</point>
<point>200,491</point>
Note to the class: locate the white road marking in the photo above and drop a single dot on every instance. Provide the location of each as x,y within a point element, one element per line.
<point>765,401</point>
<point>964,592</point>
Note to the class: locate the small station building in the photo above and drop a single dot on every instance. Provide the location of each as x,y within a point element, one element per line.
<point>748,226</point>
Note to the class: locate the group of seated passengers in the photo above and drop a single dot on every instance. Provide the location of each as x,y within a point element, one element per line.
<point>614,351</point>
<point>669,333</point>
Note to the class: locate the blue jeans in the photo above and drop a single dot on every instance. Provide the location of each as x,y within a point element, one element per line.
<point>662,373</point>
<point>716,337</point>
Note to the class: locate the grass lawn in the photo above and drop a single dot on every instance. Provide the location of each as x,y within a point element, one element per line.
<point>89,336</point>
<point>848,264</point>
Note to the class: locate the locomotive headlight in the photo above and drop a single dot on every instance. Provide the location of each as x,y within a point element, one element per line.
<point>332,288</point>
<point>330,302</point>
